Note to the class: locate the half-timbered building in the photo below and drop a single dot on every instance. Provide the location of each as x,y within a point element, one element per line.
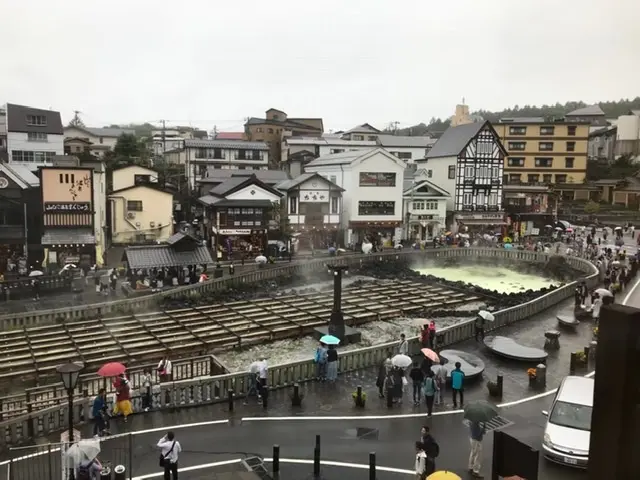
<point>468,160</point>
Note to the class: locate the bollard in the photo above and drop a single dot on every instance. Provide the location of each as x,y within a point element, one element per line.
<point>316,462</point>
<point>593,347</point>
<point>318,442</point>
<point>119,473</point>
<point>572,363</point>
<point>359,396</point>
<point>276,459</point>
<point>499,385</point>
<point>372,465</point>
<point>586,353</point>
<point>541,374</point>
<point>230,399</point>
<point>296,399</point>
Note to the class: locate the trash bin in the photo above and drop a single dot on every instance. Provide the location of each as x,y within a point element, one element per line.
<point>119,473</point>
<point>105,472</point>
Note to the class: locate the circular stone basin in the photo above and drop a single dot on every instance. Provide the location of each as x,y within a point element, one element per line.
<point>471,365</point>
<point>509,348</point>
<point>567,320</point>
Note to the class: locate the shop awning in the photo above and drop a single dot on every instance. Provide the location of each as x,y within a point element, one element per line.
<point>69,236</point>
<point>160,256</point>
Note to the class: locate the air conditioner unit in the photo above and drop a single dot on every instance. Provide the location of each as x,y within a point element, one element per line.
<point>131,215</point>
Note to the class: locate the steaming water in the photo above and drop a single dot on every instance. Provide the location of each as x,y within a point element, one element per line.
<point>373,333</point>
<point>500,279</point>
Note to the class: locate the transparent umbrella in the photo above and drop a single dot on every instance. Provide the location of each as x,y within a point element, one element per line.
<point>83,450</point>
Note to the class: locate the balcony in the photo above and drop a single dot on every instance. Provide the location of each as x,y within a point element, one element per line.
<point>530,209</point>
<point>517,186</point>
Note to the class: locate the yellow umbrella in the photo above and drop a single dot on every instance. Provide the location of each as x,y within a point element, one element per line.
<point>443,475</point>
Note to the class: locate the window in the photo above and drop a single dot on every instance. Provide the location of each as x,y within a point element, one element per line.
<point>480,198</point>
<point>376,208</point>
<point>514,178</point>
<point>533,178</point>
<point>336,150</point>
<point>134,205</point>
<point>373,179</point>
<point>402,155</point>
<point>561,179</point>
<point>452,171</point>
<point>515,162</point>
<point>269,130</point>
<point>30,157</point>
<point>547,178</point>
<point>544,162</point>
<point>372,138</point>
<point>36,137</point>
<point>517,130</point>
<point>547,130</point>
<point>546,146</point>
<point>293,205</point>
<point>37,120</point>
<point>433,205</point>
<point>493,199</point>
<point>142,179</point>
<point>571,146</point>
<point>571,130</point>
<point>568,162</point>
<point>333,179</point>
<point>358,137</point>
<point>418,205</point>
<point>429,173</point>
<point>334,205</point>
<point>469,172</point>
<point>466,199</point>
<point>517,145</point>
<point>259,130</point>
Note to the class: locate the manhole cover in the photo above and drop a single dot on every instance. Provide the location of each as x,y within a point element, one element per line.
<point>495,424</point>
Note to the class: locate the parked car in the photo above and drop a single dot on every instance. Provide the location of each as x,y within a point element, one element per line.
<point>568,429</point>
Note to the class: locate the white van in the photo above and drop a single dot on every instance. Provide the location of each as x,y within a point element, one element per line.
<point>568,429</point>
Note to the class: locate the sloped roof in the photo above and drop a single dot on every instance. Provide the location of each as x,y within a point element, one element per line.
<point>237,144</point>
<point>74,236</point>
<point>224,187</point>
<point>338,158</point>
<point>237,183</point>
<point>587,111</point>
<point>102,132</point>
<point>300,179</point>
<point>159,256</point>
<point>20,174</point>
<point>17,120</point>
<point>405,141</point>
<point>364,128</point>
<point>417,184</point>
<point>522,120</point>
<point>181,237</point>
<point>454,139</point>
<point>270,177</point>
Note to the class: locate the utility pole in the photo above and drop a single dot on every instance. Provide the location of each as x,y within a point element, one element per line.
<point>164,137</point>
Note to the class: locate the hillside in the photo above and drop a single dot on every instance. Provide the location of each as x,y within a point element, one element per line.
<point>611,109</point>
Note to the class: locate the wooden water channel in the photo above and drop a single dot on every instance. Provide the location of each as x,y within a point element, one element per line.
<point>140,338</point>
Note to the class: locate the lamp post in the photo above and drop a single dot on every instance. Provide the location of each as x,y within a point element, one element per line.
<point>69,373</point>
<point>336,320</point>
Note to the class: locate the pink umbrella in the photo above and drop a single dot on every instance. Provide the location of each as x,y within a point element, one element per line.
<point>431,355</point>
<point>112,369</point>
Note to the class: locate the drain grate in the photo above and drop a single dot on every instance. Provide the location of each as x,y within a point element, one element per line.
<point>495,424</point>
<point>256,467</point>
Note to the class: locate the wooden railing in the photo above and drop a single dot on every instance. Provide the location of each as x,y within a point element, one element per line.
<point>206,390</point>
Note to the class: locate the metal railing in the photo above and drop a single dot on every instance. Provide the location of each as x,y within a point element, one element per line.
<point>207,390</point>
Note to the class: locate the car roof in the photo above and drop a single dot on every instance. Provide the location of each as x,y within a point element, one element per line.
<point>577,390</point>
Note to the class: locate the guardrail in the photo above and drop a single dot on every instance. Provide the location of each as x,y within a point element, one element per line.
<point>202,391</point>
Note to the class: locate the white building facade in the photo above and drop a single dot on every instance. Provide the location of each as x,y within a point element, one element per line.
<point>373,193</point>
<point>425,208</point>
<point>34,136</point>
<point>468,161</point>
<point>102,139</point>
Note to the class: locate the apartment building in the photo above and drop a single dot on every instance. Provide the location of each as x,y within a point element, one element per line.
<point>34,136</point>
<point>543,150</point>
<point>96,141</point>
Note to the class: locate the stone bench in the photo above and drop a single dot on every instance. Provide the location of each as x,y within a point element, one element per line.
<point>552,339</point>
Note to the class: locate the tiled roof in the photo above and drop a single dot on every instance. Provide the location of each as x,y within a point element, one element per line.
<point>21,175</point>
<point>244,203</point>
<point>522,120</point>
<point>236,144</point>
<point>229,136</point>
<point>224,187</point>
<point>159,256</point>
<point>364,128</point>
<point>405,141</point>
<point>17,120</point>
<point>454,139</point>
<point>270,177</point>
<point>68,236</point>
<point>587,111</point>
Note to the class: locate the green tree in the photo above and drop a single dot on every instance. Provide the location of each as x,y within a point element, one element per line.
<point>591,207</point>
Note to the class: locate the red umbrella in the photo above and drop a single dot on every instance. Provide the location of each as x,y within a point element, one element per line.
<point>431,355</point>
<point>111,369</point>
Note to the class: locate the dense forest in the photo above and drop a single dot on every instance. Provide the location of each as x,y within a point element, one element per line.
<point>611,109</point>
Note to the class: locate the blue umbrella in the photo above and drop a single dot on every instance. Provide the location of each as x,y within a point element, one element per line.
<point>330,340</point>
<point>508,246</point>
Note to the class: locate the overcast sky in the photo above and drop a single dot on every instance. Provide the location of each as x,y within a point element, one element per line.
<point>214,62</point>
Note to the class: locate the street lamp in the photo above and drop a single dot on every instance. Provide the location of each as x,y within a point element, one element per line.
<point>69,373</point>
<point>336,320</point>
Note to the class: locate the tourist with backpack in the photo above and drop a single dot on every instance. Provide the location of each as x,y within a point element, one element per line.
<point>430,387</point>
<point>431,449</point>
<point>88,470</point>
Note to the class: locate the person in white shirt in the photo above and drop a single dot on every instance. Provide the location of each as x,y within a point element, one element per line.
<point>164,369</point>
<point>263,374</point>
<point>421,462</point>
<point>169,451</point>
<point>403,346</point>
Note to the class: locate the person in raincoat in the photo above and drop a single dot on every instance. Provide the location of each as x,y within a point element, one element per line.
<point>123,396</point>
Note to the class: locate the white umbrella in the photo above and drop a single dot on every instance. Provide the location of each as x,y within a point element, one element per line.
<point>618,228</point>
<point>488,316</point>
<point>254,367</point>
<point>36,273</point>
<point>603,292</point>
<point>261,259</point>
<point>558,228</point>
<point>402,361</point>
<point>367,247</point>
<point>83,450</point>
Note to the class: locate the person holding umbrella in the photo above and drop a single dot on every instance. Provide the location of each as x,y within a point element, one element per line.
<point>479,323</point>
<point>123,396</point>
<point>478,414</point>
